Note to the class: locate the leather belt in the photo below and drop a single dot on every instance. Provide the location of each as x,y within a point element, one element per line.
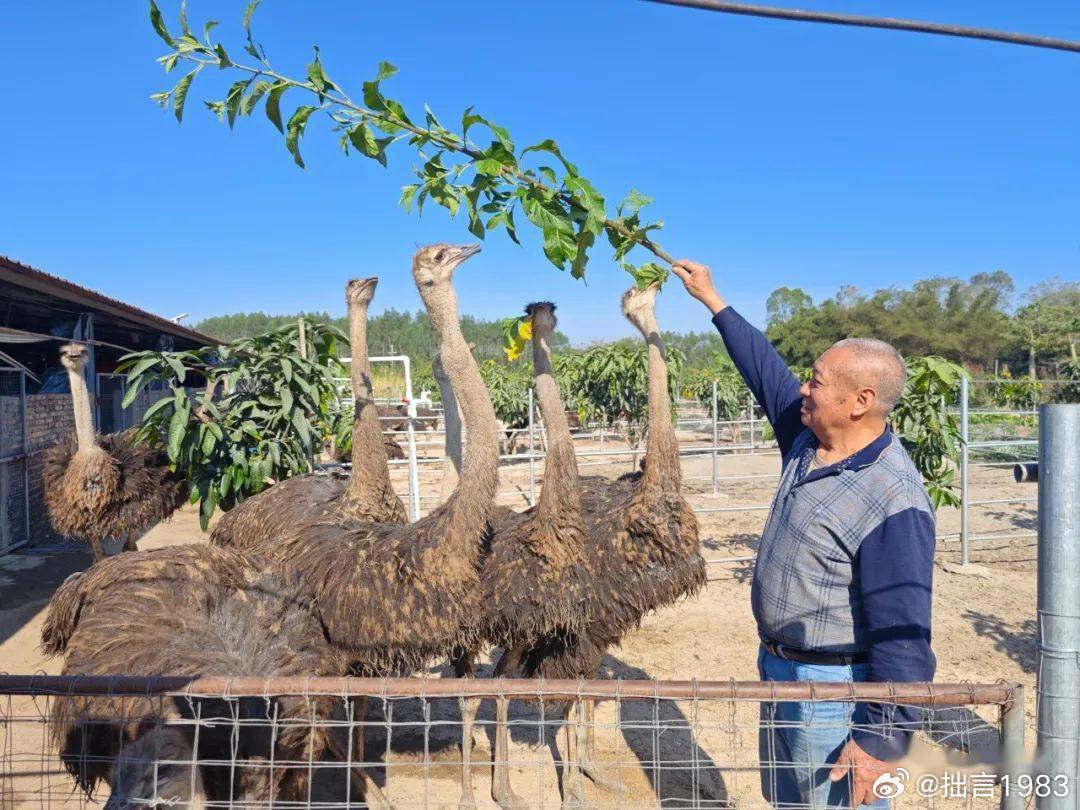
<point>820,657</point>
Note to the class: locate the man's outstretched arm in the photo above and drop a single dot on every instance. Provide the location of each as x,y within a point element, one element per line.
<point>768,377</point>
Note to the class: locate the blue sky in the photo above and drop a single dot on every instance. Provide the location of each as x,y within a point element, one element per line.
<point>779,153</point>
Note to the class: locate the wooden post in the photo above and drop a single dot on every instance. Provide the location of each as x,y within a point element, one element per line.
<point>302,339</point>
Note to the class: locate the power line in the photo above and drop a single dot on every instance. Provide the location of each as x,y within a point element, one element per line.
<point>890,23</point>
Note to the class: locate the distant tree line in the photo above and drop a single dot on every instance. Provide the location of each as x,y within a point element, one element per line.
<point>970,322</point>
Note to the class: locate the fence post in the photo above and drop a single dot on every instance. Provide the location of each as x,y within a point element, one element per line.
<point>1057,640</point>
<point>751,409</point>
<point>963,470</point>
<point>715,438</point>
<point>26,456</point>
<point>1012,748</point>
<point>410,432</point>
<point>532,452</point>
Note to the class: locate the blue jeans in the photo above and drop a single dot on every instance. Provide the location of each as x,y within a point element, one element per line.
<point>798,742</point>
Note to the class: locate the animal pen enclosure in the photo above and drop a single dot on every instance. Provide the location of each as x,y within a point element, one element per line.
<point>672,743</point>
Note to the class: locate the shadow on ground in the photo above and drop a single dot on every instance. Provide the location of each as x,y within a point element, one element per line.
<point>658,734</point>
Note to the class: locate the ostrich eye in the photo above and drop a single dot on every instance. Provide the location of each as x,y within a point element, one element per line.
<point>440,255</point>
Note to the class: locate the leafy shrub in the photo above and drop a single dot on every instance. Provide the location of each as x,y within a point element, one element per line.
<point>927,428</point>
<point>263,416</point>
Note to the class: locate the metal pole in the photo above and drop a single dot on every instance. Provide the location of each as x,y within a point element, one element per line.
<point>715,438</point>
<point>414,476</point>
<point>532,453</point>
<point>963,470</point>
<point>26,455</point>
<point>751,407</point>
<point>1012,747</point>
<point>1057,640</point>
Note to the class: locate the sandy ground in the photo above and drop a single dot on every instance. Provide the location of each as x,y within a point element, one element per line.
<point>705,752</point>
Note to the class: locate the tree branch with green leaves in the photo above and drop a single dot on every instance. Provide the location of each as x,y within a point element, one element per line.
<point>491,183</point>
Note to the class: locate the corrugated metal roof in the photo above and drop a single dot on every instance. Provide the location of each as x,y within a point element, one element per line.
<point>41,281</point>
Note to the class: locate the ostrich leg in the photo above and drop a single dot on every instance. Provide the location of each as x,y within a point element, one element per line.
<point>501,791</point>
<point>373,795</point>
<point>588,752</point>
<point>463,668</point>
<point>573,791</point>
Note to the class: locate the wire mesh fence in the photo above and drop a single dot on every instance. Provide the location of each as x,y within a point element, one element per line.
<point>409,742</point>
<point>14,480</point>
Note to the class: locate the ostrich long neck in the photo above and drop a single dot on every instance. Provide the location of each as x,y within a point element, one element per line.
<point>452,425</point>
<point>559,494</point>
<point>369,478</point>
<point>662,448</point>
<point>468,510</point>
<point>80,400</point>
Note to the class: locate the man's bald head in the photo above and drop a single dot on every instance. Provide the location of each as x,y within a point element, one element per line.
<point>872,363</point>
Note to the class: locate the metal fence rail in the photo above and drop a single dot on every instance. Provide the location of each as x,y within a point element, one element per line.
<point>337,742</point>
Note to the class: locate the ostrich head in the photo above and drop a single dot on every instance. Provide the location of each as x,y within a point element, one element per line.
<point>156,768</point>
<point>434,265</point>
<point>74,356</point>
<point>543,317</point>
<point>639,307</point>
<point>361,290</point>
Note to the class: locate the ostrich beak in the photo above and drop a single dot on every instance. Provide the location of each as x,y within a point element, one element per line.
<point>468,251</point>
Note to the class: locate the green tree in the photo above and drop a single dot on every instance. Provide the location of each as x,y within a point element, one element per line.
<point>784,303</point>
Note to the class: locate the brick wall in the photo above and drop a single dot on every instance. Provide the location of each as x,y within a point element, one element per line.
<point>49,418</point>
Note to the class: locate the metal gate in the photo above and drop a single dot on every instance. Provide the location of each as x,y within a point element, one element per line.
<point>14,479</point>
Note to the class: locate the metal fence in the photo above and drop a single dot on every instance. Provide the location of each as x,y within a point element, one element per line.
<point>338,742</point>
<point>14,461</point>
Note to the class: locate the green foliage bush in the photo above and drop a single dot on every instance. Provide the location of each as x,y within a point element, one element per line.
<point>263,416</point>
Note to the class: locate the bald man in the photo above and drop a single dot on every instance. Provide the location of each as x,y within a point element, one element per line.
<point>842,582</point>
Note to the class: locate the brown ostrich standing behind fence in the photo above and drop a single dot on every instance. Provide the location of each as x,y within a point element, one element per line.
<point>366,494</point>
<point>641,539</point>
<point>536,576</point>
<point>190,611</point>
<point>111,486</point>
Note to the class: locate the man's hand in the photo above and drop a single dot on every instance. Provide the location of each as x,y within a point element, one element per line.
<point>698,282</point>
<point>865,769</point>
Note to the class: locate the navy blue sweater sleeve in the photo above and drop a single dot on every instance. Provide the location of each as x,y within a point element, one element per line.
<point>895,566</point>
<point>771,381</point>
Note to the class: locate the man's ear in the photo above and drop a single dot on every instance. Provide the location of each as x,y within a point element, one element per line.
<point>865,400</point>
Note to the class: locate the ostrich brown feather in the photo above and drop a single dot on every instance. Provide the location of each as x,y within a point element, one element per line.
<point>187,610</point>
<point>116,490</point>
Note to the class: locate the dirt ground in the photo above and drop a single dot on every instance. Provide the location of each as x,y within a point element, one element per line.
<point>681,751</point>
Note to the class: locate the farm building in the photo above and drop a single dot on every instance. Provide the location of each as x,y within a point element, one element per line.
<point>39,312</point>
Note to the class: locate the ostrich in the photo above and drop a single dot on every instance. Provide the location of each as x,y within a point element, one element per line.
<point>366,494</point>
<point>189,611</point>
<point>641,539</point>
<point>536,576</point>
<point>99,487</point>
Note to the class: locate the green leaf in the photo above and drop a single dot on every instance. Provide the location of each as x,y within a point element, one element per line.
<point>548,145</point>
<point>158,22</point>
<point>386,70</point>
<point>208,26</point>
<point>585,241</point>
<point>178,426</point>
<point>233,99</point>
<point>249,12</point>
<point>273,105</point>
<point>366,143</point>
<point>183,18</point>
<point>588,198</point>
<point>407,194</point>
<point>318,77</point>
<point>169,61</point>
<point>295,130</point>
<point>180,92</point>
<point>634,201</point>
<point>177,367</point>
<point>257,92</point>
<point>223,58</point>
